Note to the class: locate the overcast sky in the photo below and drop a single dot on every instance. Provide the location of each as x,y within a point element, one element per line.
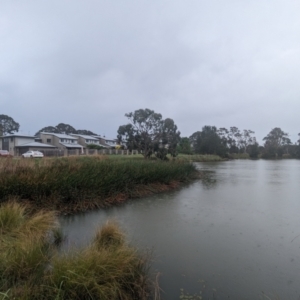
<point>87,63</point>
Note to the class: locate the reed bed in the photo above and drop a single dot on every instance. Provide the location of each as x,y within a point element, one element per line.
<point>79,183</point>
<point>32,268</point>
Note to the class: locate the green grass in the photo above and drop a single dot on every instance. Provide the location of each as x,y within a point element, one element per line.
<point>32,268</point>
<point>79,182</point>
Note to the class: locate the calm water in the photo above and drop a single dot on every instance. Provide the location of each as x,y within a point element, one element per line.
<point>234,236</point>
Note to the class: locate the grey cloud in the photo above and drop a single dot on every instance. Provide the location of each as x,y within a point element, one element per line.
<point>200,63</point>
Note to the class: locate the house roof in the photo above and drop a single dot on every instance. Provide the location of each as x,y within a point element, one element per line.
<point>36,144</point>
<point>103,138</point>
<point>87,137</point>
<point>61,136</point>
<point>67,145</point>
<point>18,135</point>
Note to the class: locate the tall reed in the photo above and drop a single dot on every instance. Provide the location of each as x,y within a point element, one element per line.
<point>73,180</point>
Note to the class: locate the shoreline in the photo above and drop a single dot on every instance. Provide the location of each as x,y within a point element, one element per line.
<point>83,206</point>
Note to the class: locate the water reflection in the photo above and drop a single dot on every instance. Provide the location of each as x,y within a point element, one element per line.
<point>208,179</point>
<point>232,235</point>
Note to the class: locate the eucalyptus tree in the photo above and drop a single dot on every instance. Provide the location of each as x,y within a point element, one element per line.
<point>66,128</point>
<point>277,138</point>
<point>247,139</point>
<point>51,129</point>
<point>184,146</point>
<point>228,139</point>
<point>195,141</point>
<point>236,140</point>
<point>208,141</point>
<point>170,137</point>
<point>8,125</point>
<point>85,132</point>
<point>149,133</point>
<point>275,142</point>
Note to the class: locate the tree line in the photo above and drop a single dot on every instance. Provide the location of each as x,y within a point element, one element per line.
<point>151,134</point>
<point>9,126</point>
<point>226,142</point>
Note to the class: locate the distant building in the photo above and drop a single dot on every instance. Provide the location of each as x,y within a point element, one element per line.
<point>61,141</point>
<point>17,144</point>
<point>106,142</point>
<point>85,140</point>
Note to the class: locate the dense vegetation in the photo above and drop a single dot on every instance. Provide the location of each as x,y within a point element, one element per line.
<point>234,143</point>
<point>148,133</point>
<point>80,183</point>
<point>32,268</point>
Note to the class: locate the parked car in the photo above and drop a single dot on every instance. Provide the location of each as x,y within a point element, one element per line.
<point>4,153</point>
<point>32,154</point>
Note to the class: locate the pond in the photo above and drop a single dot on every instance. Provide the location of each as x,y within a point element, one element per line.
<point>234,235</point>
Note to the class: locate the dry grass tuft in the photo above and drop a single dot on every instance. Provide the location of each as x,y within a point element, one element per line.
<point>109,236</point>
<point>31,268</point>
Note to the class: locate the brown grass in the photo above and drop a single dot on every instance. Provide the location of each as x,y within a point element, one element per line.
<point>31,268</point>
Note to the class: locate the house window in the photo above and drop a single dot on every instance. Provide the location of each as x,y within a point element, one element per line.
<point>11,139</point>
<point>48,141</point>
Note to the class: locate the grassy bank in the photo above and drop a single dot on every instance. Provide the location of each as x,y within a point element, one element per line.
<point>239,156</point>
<point>32,268</point>
<point>200,157</point>
<point>80,183</point>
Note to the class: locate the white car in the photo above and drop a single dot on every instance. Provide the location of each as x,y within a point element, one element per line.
<point>32,154</point>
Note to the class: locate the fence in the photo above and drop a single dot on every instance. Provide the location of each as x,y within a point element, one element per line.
<point>56,152</point>
<point>109,152</point>
<point>52,152</point>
